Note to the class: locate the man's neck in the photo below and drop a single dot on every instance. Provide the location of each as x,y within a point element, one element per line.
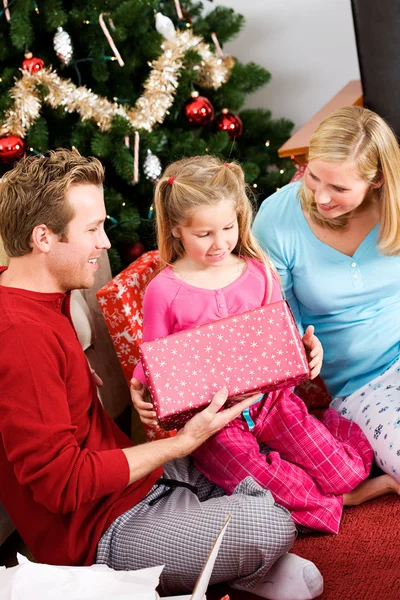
<point>25,274</point>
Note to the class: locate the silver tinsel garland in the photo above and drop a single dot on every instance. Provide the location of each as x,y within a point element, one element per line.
<point>150,109</point>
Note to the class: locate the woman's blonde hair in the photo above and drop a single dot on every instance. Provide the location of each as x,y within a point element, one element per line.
<point>360,136</point>
<point>197,181</point>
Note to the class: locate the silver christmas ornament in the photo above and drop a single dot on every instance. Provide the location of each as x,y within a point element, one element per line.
<point>63,46</point>
<point>152,166</point>
<point>165,26</point>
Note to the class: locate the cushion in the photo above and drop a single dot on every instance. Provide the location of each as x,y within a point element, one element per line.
<point>81,317</point>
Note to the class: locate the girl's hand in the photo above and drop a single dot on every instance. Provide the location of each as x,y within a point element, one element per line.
<point>141,400</point>
<point>314,351</point>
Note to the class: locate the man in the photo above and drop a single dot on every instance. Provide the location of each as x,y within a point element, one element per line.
<point>75,487</point>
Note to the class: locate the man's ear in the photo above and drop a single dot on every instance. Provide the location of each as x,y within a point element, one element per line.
<point>41,238</point>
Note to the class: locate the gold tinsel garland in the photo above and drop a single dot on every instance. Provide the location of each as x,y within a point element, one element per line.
<point>150,108</point>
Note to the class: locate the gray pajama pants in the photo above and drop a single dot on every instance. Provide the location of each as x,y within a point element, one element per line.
<point>176,526</point>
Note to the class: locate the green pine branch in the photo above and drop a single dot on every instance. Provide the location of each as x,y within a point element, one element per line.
<point>132,27</point>
<point>38,136</point>
<point>223,21</point>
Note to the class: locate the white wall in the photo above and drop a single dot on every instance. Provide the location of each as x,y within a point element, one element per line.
<point>308,46</point>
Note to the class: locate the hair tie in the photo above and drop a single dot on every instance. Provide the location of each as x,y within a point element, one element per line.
<point>171,180</point>
<point>227,165</point>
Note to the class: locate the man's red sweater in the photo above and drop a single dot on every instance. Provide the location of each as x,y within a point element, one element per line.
<point>63,474</point>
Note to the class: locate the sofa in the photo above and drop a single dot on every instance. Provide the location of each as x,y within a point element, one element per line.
<point>99,349</point>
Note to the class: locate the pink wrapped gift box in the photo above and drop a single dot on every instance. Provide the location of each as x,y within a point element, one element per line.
<point>256,350</point>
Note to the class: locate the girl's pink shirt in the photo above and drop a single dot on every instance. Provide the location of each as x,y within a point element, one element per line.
<point>170,305</point>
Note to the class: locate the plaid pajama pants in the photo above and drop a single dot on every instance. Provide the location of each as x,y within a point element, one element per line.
<point>177,530</point>
<point>308,466</point>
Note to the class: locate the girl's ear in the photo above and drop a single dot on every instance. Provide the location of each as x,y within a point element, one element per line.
<point>176,233</point>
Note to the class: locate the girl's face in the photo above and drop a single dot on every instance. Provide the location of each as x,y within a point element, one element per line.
<point>211,234</point>
<point>337,188</point>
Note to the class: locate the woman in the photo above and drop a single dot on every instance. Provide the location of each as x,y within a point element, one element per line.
<point>335,240</point>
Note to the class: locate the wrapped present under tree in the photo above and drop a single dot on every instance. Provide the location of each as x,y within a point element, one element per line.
<point>121,303</point>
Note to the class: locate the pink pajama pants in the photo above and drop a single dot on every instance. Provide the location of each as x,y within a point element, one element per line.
<point>309,467</point>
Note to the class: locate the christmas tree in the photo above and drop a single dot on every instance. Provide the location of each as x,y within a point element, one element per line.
<point>137,83</point>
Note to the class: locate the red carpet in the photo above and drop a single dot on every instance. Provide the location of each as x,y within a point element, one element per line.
<point>361,563</point>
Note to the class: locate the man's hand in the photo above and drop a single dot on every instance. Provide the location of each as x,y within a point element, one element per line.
<point>144,458</point>
<point>314,351</point>
<point>201,426</point>
<point>211,419</point>
<point>141,400</point>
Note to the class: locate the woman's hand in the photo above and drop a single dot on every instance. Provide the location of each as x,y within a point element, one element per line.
<point>141,400</point>
<point>314,351</point>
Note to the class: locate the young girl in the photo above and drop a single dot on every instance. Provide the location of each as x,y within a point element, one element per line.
<point>211,268</point>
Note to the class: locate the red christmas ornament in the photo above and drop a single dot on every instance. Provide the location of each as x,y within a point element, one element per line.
<point>12,147</point>
<point>198,110</point>
<point>32,64</point>
<point>230,123</point>
<point>133,252</point>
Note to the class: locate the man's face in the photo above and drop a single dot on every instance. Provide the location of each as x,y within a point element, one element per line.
<point>73,264</point>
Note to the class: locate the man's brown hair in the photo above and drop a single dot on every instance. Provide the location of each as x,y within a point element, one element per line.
<point>34,191</point>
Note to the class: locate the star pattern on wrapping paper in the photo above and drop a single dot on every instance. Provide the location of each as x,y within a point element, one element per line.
<point>266,351</point>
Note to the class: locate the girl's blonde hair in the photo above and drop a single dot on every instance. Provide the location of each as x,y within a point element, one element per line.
<point>198,181</point>
<point>360,136</point>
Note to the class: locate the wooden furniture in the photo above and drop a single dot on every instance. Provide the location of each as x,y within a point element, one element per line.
<point>297,146</point>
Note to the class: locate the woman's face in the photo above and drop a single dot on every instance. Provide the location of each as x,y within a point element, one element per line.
<point>337,188</point>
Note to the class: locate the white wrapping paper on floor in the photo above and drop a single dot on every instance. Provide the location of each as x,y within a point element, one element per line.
<point>35,581</point>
